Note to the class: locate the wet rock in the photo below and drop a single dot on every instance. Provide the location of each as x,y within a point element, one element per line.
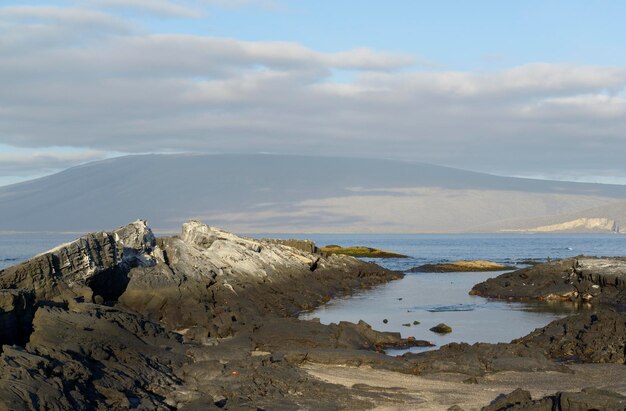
<point>441,328</point>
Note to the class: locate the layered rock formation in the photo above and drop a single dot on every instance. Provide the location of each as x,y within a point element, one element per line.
<point>578,225</point>
<point>578,279</point>
<point>123,320</point>
<point>207,320</point>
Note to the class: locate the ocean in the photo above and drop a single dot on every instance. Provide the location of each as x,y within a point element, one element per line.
<point>429,298</point>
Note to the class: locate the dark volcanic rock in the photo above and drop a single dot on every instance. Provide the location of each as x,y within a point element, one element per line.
<point>481,358</point>
<point>97,358</point>
<point>549,281</point>
<point>207,320</point>
<point>213,279</point>
<point>514,400</point>
<point>587,399</point>
<point>17,308</point>
<point>598,337</point>
<point>205,284</point>
<point>579,279</point>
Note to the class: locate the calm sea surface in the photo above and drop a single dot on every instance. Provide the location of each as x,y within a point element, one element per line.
<point>429,298</point>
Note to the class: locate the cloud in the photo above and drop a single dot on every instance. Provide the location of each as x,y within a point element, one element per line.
<point>163,8</point>
<point>119,88</point>
<point>234,4</point>
<point>22,162</point>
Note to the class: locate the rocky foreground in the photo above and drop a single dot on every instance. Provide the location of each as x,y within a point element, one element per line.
<point>207,320</point>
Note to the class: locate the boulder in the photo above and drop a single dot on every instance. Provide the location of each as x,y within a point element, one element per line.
<point>441,328</point>
<point>580,279</point>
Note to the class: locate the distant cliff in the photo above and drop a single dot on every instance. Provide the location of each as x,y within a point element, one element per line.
<point>577,225</point>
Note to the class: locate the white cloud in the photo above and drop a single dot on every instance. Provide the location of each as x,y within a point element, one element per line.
<point>118,88</point>
<point>164,8</point>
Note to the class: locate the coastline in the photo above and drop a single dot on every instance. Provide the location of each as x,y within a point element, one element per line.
<point>220,311</point>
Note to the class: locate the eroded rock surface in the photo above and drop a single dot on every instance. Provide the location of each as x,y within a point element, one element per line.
<point>96,264</point>
<point>595,337</point>
<point>586,399</point>
<point>207,320</point>
<point>121,320</point>
<point>482,358</point>
<point>580,279</point>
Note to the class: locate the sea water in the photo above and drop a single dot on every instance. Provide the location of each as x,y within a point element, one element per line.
<point>429,298</point>
<point>433,298</point>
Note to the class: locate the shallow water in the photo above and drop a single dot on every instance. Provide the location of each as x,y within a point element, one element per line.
<point>433,298</point>
<point>15,248</point>
<point>430,298</point>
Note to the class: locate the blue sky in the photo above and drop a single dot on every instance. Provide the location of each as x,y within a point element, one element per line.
<point>530,88</point>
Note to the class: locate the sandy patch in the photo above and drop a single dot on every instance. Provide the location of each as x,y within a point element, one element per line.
<point>441,391</point>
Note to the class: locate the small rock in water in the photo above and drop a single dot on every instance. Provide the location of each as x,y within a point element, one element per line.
<point>441,328</point>
<point>415,322</point>
<point>385,321</point>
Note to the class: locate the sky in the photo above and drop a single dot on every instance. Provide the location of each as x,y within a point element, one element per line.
<point>532,88</point>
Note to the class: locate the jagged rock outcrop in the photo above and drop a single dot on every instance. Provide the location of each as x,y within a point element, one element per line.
<point>217,283</point>
<point>93,358</point>
<point>93,321</point>
<point>207,320</point>
<point>94,265</point>
<point>578,279</point>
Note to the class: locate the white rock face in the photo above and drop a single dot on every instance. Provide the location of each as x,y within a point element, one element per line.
<point>202,249</point>
<point>579,224</point>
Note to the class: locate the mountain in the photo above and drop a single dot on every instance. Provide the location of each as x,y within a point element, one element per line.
<point>290,193</point>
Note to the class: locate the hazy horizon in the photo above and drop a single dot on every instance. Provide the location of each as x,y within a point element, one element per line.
<point>282,193</point>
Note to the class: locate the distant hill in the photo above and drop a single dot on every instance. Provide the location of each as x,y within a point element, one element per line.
<point>288,193</point>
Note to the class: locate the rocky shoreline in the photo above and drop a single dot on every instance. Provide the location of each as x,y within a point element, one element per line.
<point>208,320</point>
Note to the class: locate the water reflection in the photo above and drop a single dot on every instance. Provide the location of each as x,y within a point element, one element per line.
<point>433,298</point>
